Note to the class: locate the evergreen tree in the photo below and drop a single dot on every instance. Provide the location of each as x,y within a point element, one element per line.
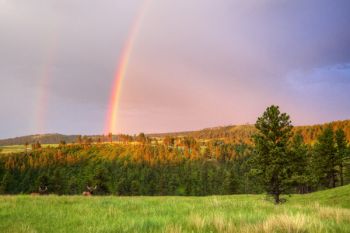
<point>101,180</point>
<point>110,137</point>
<point>73,187</point>
<point>135,187</point>
<point>325,159</point>
<point>142,138</point>
<point>57,182</point>
<point>341,147</point>
<point>122,187</point>
<point>299,165</point>
<point>230,182</point>
<point>6,183</point>
<point>272,160</point>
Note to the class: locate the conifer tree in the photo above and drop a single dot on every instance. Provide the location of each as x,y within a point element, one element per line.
<point>341,147</point>
<point>325,159</point>
<point>272,160</point>
<point>299,163</point>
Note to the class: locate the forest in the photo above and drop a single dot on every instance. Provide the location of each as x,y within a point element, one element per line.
<point>183,165</point>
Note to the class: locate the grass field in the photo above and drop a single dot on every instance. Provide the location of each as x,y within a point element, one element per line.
<point>12,149</point>
<point>326,211</point>
<point>20,148</point>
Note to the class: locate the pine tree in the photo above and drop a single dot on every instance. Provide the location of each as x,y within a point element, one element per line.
<point>6,182</point>
<point>341,147</point>
<point>135,188</point>
<point>272,160</point>
<point>230,182</point>
<point>299,165</point>
<point>325,159</point>
<point>57,182</point>
<point>102,180</point>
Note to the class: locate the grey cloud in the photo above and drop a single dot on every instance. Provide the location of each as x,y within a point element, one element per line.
<point>192,59</point>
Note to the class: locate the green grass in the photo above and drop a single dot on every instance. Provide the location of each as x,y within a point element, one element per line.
<point>325,211</point>
<point>339,197</point>
<point>12,149</point>
<point>20,148</point>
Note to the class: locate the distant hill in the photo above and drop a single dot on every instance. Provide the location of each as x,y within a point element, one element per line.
<point>233,133</point>
<point>42,138</point>
<point>243,133</point>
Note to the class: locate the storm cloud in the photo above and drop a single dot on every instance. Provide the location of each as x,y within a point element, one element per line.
<point>194,64</point>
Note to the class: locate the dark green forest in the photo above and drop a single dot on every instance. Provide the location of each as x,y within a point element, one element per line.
<point>125,169</point>
<point>277,157</point>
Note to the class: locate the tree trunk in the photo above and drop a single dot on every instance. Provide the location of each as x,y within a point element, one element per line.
<point>341,175</point>
<point>277,198</point>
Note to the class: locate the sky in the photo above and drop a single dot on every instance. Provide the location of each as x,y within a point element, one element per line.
<point>194,63</point>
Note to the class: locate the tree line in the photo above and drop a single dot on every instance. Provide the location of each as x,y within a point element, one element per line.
<point>277,161</point>
<point>230,134</point>
<point>284,162</point>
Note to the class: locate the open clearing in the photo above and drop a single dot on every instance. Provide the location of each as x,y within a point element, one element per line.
<point>12,149</point>
<point>21,148</point>
<point>326,211</point>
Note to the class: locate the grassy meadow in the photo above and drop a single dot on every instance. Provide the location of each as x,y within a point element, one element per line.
<point>325,211</point>
<point>13,149</point>
<point>21,148</point>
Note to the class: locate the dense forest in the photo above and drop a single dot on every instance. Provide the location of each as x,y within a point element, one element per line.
<point>185,165</point>
<point>128,170</point>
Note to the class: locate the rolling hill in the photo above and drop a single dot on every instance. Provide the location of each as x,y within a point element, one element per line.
<point>233,133</point>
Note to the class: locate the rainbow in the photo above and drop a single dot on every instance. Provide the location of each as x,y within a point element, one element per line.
<point>121,71</point>
<point>44,78</point>
<point>42,101</point>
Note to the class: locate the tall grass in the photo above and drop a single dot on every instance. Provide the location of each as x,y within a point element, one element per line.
<point>241,213</point>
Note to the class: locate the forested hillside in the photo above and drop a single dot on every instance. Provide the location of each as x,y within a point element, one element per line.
<point>175,167</point>
<point>143,169</point>
<point>43,139</point>
<point>233,134</point>
<point>243,133</point>
<point>273,157</point>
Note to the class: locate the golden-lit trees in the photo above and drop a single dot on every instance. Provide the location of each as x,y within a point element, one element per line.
<point>110,137</point>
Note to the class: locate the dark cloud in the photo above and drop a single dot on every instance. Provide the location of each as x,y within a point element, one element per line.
<point>195,63</point>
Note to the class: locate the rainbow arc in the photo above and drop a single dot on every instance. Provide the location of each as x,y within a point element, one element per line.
<point>121,71</point>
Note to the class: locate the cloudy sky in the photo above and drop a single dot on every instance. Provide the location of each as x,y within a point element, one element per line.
<point>194,63</point>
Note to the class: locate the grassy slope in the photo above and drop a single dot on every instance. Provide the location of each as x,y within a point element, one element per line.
<point>339,197</point>
<point>20,148</point>
<point>241,213</point>
<point>11,149</point>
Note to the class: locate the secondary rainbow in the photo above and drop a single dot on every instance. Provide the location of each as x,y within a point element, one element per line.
<point>121,71</point>
<point>44,79</point>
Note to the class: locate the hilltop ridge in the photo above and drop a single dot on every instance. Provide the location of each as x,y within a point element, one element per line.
<point>233,133</point>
